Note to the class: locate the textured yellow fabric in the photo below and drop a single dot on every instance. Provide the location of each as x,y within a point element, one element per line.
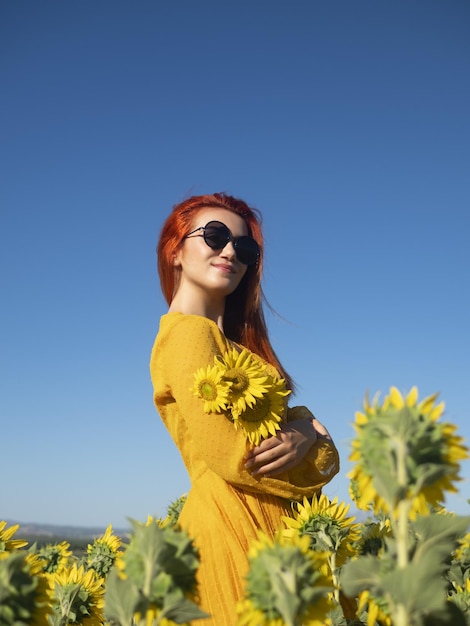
<point>226,504</point>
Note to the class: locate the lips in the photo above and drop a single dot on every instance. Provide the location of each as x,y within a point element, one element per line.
<point>224,267</point>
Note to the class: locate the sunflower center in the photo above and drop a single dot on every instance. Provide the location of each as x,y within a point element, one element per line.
<point>240,381</point>
<point>372,545</point>
<point>259,412</point>
<point>208,390</point>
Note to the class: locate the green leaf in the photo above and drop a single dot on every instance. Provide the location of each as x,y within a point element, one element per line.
<point>363,573</point>
<point>419,586</point>
<point>337,618</point>
<point>456,575</point>
<point>121,599</point>
<point>18,590</point>
<point>449,615</point>
<point>159,559</point>
<point>438,533</point>
<point>182,610</point>
<point>282,582</point>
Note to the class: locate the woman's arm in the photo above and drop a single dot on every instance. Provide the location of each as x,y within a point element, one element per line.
<point>291,445</point>
<point>191,342</point>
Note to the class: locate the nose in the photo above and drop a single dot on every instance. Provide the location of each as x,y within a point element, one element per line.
<point>228,252</point>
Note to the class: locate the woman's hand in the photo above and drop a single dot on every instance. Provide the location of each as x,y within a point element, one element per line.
<point>286,449</point>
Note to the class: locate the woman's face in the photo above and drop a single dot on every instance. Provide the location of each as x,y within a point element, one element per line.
<point>207,272</point>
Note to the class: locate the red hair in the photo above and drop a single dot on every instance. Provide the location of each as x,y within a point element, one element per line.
<point>244,320</point>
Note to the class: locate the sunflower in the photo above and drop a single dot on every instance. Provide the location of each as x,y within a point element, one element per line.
<point>403,451</point>
<point>164,551</point>
<point>262,419</point>
<point>372,539</point>
<point>54,557</point>
<point>462,552</point>
<point>158,579</point>
<point>23,596</point>
<point>248,378</point>
<point>377,610</point>
<point>210,386</point>
<point>326,525</point>
<point>7,544</point>
<point>173,512</point>
<point>460,596</point>
<point>77,596</point>
<point>103,552</point>
<point>285,584</point>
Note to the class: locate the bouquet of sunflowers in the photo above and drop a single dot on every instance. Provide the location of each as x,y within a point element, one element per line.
<point>240,385</point>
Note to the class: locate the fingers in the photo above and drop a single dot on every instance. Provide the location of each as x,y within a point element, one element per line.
<point>268,451</point>
<point>267,444</point>
<point>282,452</point>
<point>287,449</point>
<point>274,460</point>
<point>265,451</point>
<point>276,467</point>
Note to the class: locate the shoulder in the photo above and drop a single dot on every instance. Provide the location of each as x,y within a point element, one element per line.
<point>174,324</point>
<point>187,334</point>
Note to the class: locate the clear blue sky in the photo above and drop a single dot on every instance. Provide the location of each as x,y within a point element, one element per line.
<point>346,123</point>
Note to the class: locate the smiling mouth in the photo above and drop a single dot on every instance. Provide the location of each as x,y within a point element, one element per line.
<point>225,268</point>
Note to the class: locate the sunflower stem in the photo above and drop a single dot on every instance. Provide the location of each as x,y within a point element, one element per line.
<point>401,617</point>
<point>334,576</point>
<point>403,506</point>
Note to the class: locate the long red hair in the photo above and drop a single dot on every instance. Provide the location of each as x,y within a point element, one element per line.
<point>244,320</point>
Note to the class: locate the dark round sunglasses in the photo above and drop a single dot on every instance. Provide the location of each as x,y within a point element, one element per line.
<point>217,235</point>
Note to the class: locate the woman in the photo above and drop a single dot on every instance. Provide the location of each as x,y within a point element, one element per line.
<point>222,393</point>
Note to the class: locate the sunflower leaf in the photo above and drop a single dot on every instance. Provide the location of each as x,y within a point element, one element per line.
<point>419,587</point>
<point>363,573</point>
<point>449,615</point>
<point>181,610</point>
<point>121,599</point>
<point>439,533</point>
<point>159,559</point>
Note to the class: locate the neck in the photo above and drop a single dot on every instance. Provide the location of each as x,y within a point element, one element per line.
<point>212,309</point>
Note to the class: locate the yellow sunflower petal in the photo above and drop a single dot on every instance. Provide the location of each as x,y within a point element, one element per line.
<point>412,397</point>
<point>396,398</point>
<point>210,386</point>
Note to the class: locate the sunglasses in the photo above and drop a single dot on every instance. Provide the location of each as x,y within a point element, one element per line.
<point>217,235</point>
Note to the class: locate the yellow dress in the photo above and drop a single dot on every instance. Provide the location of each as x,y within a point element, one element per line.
<point>226,505</point>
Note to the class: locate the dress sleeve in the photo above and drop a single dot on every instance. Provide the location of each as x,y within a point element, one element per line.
<point>322,461</point>
<point>210,439</point>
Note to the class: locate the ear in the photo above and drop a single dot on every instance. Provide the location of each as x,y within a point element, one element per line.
<point>176,259</point>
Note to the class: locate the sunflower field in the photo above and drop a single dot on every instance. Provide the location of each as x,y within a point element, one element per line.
<point>406,564</point>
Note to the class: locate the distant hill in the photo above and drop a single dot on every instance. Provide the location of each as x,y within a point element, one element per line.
<point>31,530</point>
